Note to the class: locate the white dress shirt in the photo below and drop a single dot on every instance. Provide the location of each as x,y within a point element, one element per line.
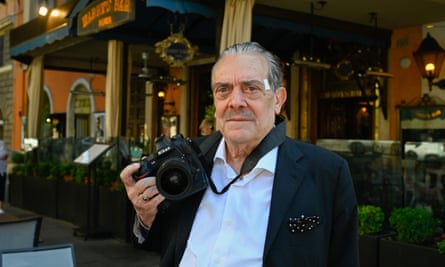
<point>230,229</point>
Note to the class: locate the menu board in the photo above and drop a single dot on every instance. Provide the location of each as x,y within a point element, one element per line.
<point>92,153</point>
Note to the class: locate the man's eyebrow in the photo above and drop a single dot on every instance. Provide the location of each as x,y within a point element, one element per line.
<point>246,82</point>
<point>253,82</point>
<point>221,84</point>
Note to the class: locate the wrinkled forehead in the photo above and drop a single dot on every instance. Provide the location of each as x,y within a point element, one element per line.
<point>243,67</point>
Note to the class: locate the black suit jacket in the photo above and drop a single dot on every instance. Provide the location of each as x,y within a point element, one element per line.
<point>309,181</point>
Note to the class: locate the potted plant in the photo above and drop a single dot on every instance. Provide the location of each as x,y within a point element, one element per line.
<point>370,229</point>
<point>414,243</point>
<point>370,219</point>
<point>414,225</point>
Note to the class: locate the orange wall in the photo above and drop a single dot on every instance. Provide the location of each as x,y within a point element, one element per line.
<point>19,108</point>
<point>405,86</point>
<point>60,83</point>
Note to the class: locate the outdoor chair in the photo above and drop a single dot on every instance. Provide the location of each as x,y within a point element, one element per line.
<point>20,233</point>
<point>43,256</point>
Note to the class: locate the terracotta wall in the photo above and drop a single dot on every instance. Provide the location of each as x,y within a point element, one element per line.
<point>405,86</point>
<point>60,83</point>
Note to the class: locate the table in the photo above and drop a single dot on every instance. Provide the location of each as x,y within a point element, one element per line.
<point>6,217</point>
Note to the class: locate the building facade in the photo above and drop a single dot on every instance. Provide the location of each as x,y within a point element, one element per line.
<point>102,71</point>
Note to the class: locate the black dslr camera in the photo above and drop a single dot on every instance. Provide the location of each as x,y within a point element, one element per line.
<point>178,167</point>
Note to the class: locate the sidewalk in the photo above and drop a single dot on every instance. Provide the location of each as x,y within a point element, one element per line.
<point>93,252</point>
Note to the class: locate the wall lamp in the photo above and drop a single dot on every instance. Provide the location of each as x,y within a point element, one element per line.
<point>429,58</point>
<point>161,93</point>
<point>43,8</point>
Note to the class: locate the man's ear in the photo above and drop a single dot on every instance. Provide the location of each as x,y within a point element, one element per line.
<point>280,99</point>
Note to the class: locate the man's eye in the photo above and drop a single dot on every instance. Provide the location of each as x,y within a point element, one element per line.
<point>221,90</point>
<point>252,89</point>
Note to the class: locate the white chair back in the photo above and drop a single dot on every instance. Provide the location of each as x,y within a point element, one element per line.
<point>43,256</point>
<point>20,233</point>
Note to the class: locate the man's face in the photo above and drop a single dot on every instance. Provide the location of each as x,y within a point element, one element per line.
<point>245,105</point>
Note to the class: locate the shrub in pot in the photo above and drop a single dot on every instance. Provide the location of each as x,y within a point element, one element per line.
<point>370,226</point>
<point>370,219</point>
<point>414,225</point>
<point>414,244</point>
<point>18,158</point>
<point>43,169</point>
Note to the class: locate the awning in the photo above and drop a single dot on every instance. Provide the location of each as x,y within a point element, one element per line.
<point>182,6</point>
<point>55,29</point>
<point>59,42</point>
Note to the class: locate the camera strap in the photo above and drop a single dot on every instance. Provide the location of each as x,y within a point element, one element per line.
<point>273,139</point>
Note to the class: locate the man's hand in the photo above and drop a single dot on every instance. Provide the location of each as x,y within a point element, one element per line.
<point>143,194</point>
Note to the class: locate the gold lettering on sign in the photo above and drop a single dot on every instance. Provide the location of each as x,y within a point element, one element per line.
<point>108,20</point>
<point>423,115</point>
<point>105,14</point>
<point>122,6</point>
<point>96,11</point>
<point>430,115</point>
<point>436,113</point>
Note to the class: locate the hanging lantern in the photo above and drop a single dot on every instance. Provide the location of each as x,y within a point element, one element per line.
<point>429,58</point>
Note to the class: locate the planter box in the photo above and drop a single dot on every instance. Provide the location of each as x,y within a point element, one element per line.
<point>398,254</point>
<point>72,205</point>
<point>108,212</point>
<point>39,195</point>
<point>369,248</point>
<point>114,213</point>
<point>15,193</point>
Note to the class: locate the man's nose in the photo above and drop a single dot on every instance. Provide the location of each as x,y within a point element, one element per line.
<point>237,97</point>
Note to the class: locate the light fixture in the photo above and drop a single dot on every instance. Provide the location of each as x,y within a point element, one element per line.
<point>43,8</point>
<point>147,75</point>
<point>145,72</point>
<point>429,58</point>
<point>161,94</point>
<point>311,61</point>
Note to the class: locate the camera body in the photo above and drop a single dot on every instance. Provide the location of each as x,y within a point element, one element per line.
<point>178,167</point>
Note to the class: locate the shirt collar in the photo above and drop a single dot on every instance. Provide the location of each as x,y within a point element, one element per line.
<point>267,162</point>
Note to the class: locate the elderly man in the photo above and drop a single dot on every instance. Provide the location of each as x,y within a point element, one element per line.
<point>272,201</point>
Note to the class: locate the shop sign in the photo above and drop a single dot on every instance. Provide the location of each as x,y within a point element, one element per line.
<point>176,50</point>
<point>105,14</point>
<point>422,113</point>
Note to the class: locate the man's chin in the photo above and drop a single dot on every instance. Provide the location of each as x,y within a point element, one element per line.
<point>239,135</point>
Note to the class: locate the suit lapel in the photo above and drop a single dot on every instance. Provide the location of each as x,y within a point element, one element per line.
<point>288,176</point>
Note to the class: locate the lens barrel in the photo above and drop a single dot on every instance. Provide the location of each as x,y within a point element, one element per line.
<point>174,179</point>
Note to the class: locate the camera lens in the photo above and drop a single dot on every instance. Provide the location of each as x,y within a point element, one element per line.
<point>174,182</point>
<point>173,179</point>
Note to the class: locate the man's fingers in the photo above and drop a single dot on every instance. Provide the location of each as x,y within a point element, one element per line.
<point>147,187</point>
<point>127,174</point>
<point>147,209</point>
<point>147,182</point>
